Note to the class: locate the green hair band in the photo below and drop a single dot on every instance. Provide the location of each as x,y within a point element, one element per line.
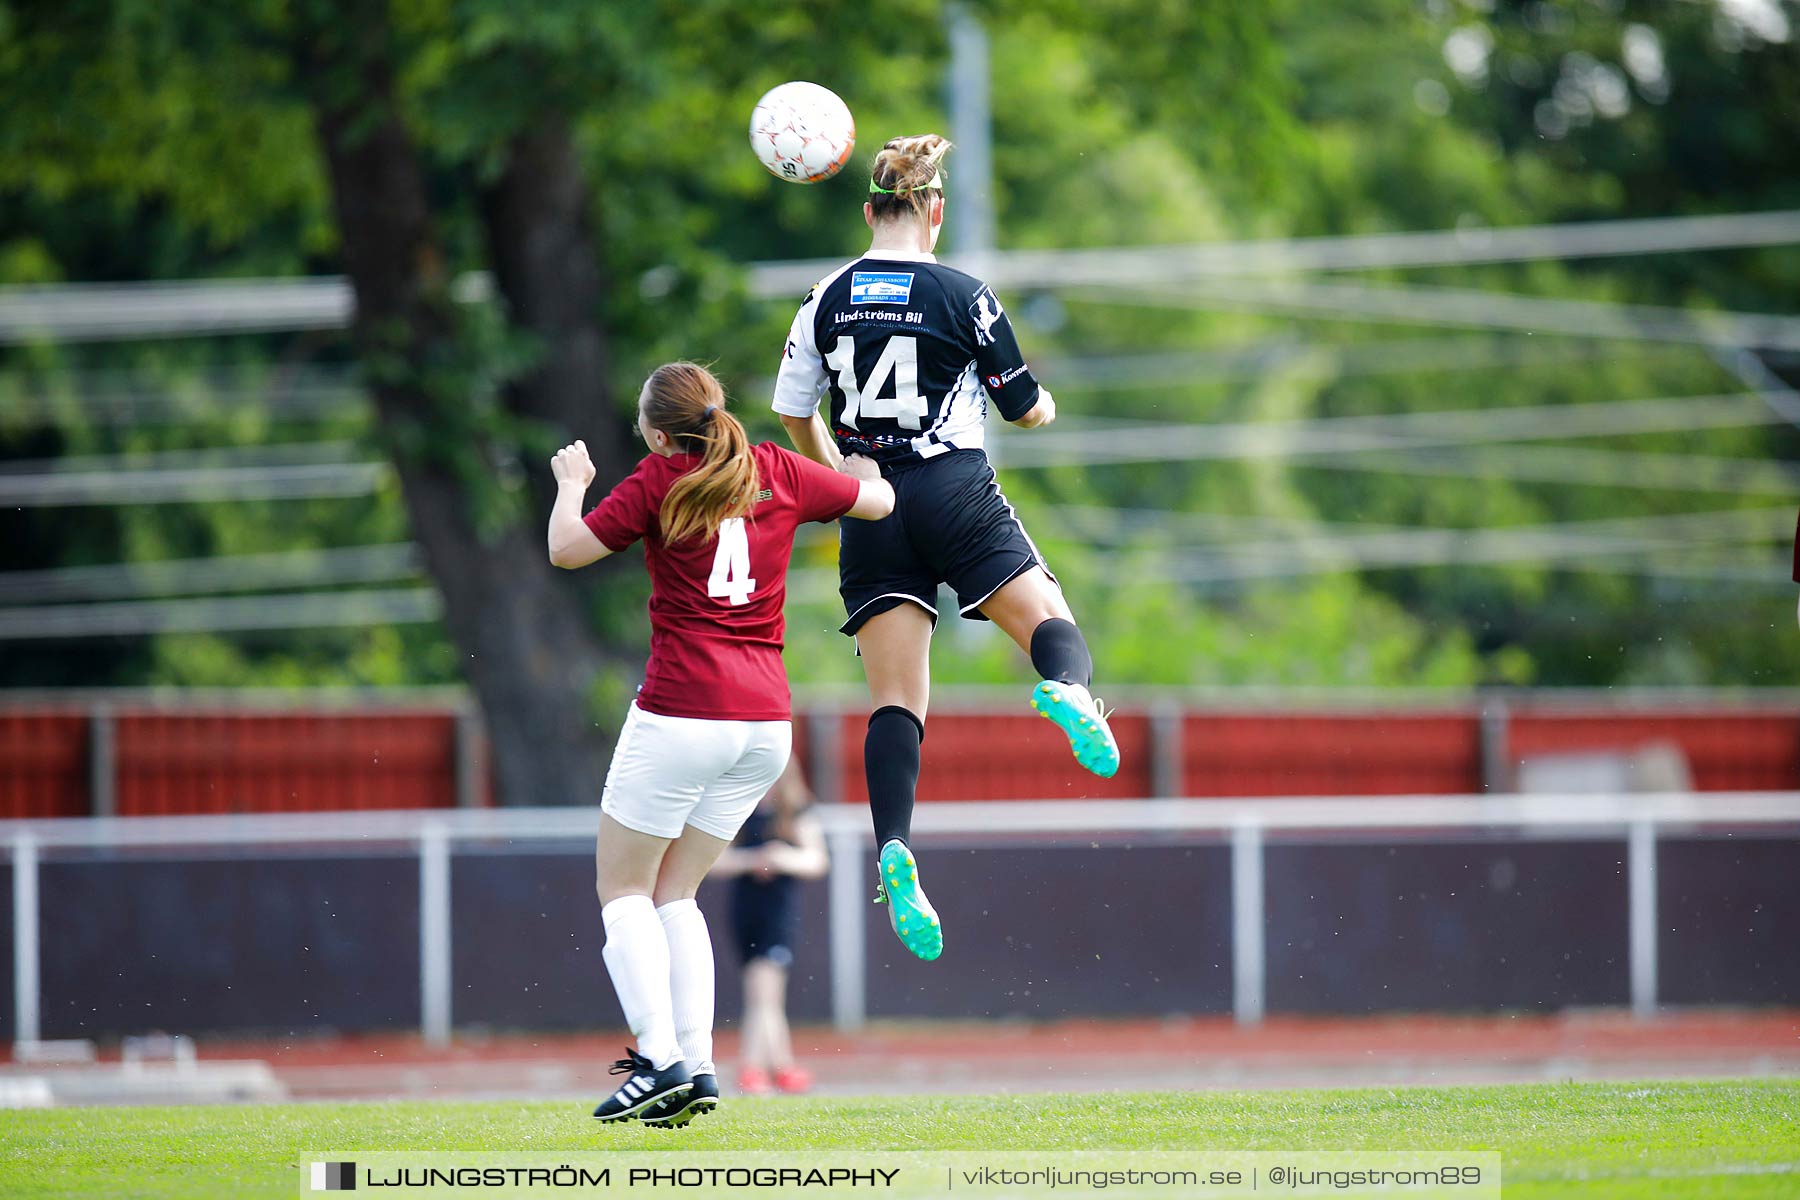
<point>937,181</point>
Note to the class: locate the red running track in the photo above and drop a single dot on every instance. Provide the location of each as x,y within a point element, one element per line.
<point>940,1058</point>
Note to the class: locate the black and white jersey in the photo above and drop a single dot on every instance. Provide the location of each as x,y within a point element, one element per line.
<point>910,351</point>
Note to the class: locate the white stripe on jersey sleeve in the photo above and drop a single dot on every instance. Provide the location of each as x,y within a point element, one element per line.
<point>961,423</point>
<point>801,381</point>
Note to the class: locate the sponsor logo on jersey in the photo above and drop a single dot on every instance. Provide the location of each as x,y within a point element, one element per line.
<point>856,442</point>
<point>880,287</point>
<point>999,381</point>
<point>876,314</point>
<point>984,312</point>
<point>765,494</point>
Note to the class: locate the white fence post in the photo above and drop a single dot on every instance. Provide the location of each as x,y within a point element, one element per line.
<point>1640,868</point>
<point>848,896</point>
<point>26,994</point>
<point>1247,932</point>
<point>434,934</point>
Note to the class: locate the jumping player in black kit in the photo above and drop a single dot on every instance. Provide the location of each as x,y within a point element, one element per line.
<point>910,353</point>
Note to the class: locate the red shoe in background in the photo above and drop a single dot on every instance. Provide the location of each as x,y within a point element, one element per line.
<point>754,1081</point>
<point>794,1080</point>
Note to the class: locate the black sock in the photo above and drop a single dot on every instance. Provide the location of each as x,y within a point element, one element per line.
<point>1058,651</point>
<point>891,762</point>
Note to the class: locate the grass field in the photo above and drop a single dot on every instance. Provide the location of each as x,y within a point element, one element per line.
<point>1712,1139</point>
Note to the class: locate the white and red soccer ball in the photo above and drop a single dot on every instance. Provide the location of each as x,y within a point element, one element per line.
<point>802,132</point>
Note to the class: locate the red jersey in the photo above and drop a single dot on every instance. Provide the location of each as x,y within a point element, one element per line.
<point>715,605</point>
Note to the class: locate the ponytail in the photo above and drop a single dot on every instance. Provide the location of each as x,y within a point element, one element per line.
<point>724,485</point>
<point>685,401</point>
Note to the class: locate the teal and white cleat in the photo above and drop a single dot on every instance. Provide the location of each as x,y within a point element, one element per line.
<point>1083,718</point>
<point>915,922</point>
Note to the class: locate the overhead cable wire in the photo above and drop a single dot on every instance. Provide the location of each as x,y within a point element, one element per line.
<point>1295,358</point>
<point>1233,536</point>
<point>223,573</point>
<point>1292,358</point>
<point>302,610</point>
<point>94,312</point>
<point>91,312</point>
<point>1194,441</point>
<point>317,469</point>
<point>1464,307</point>
<point>1325,548</point>
<point>1756,374</point>
<point>1764,573</point>
<point>185,485</point>
<point>1578,466</point>
<point>1057,269</point>
<point>143,403</point>
<point>268,454</point>
<point>118,399</point>
<point>1097,522</point>
<point>1550,543</point>
<point>282,471</point>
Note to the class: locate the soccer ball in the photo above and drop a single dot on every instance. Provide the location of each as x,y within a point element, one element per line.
<point>802,132</point>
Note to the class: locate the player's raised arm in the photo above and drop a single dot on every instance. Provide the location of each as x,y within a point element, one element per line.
<point>855,490</point>
<point>811,438</point>
<point>799,385</point>
<point>572,543</point>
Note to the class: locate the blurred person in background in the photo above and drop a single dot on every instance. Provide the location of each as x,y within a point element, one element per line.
<point>781,844</point>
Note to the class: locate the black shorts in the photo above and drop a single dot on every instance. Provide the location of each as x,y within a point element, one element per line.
<point>950,524</point>
<point>762,918</point>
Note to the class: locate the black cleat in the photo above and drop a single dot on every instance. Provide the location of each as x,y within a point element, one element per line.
<point>676,1111</point>
<point>644,1086</point>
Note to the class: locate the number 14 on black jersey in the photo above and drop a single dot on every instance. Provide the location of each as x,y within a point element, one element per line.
<point>910,352</point>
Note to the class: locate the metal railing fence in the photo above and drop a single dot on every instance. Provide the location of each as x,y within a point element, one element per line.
<point>1248,825</point>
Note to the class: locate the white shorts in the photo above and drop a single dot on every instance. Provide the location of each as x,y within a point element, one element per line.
<point>668,772</point>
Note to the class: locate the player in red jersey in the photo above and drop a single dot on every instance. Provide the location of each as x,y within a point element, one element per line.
<point>709,732</point>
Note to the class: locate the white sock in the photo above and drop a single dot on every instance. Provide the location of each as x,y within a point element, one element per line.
<point>637,958</point>
<point>690,981</point>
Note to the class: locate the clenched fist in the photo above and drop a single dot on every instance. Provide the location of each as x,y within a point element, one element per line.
<point>858,466</point>
<point>572,465</point>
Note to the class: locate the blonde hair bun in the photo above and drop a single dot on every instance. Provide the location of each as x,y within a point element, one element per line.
<point>907,164</point>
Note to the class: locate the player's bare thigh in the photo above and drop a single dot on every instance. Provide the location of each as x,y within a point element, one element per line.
<point>689,858</point>
<point>1024,603</point>
<point>629,863</point>
<point>896,656</point>
<point>626,862</point>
